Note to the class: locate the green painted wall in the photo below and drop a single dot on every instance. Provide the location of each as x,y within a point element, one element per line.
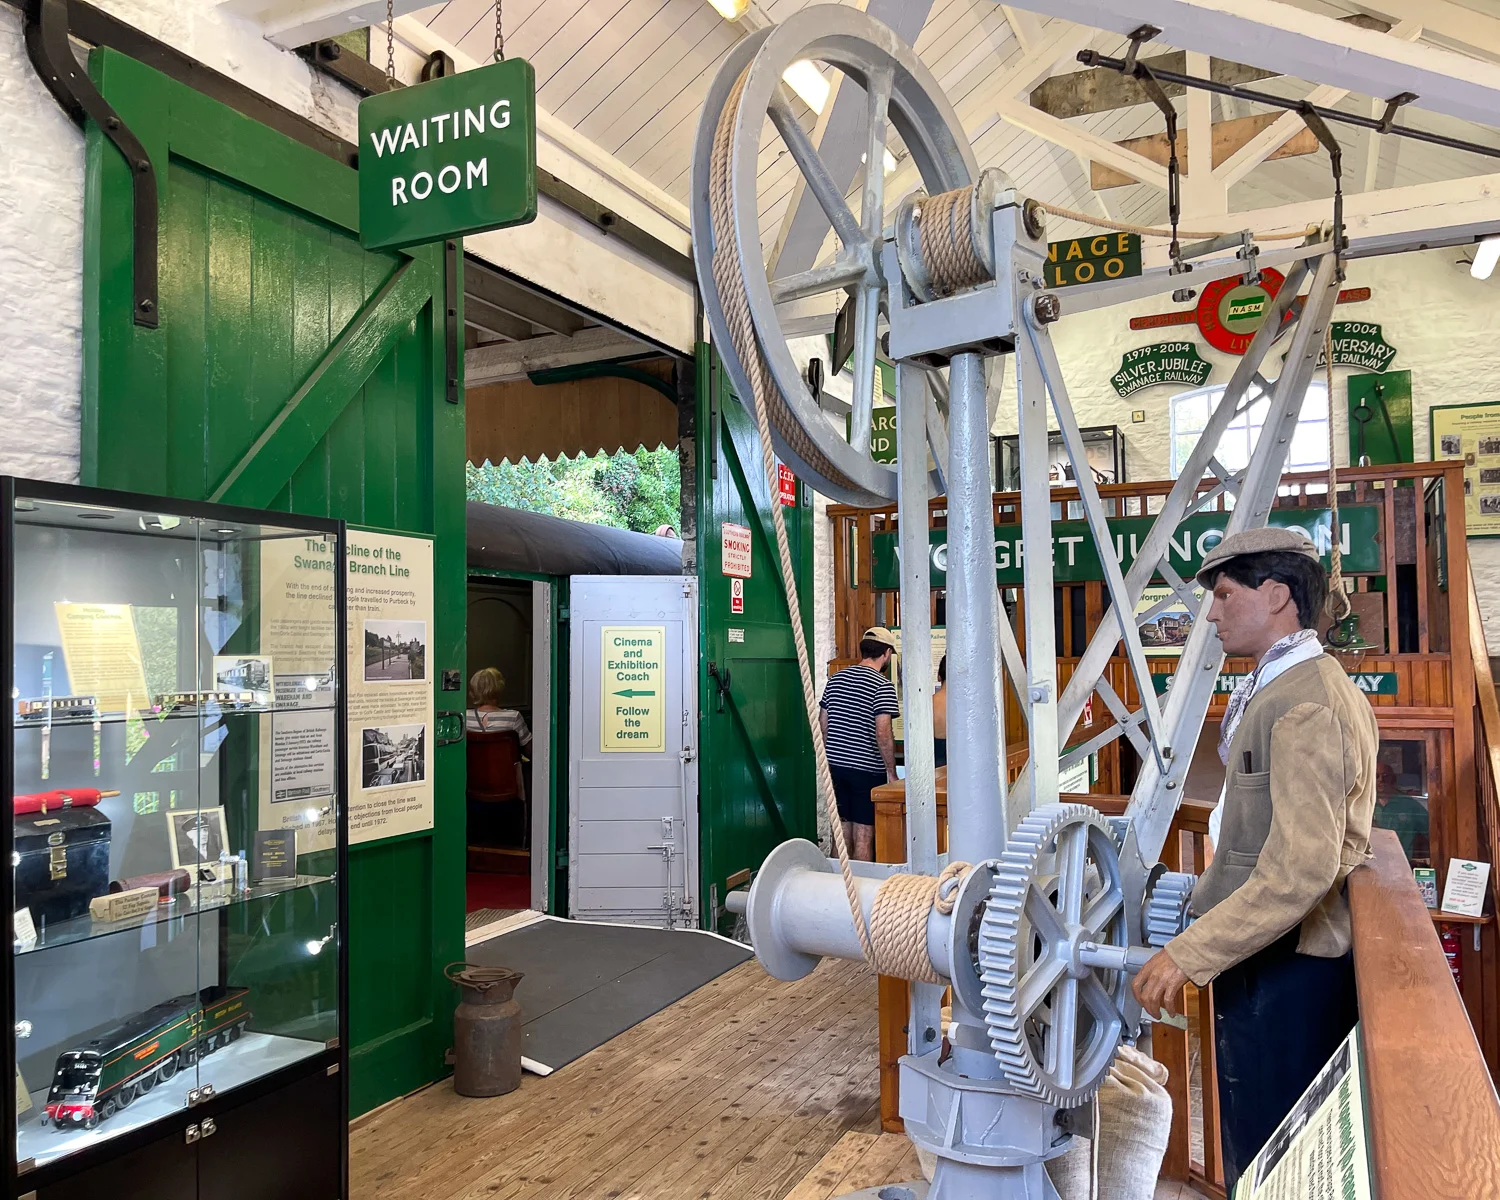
<point>292,371</point>
<point>755,749</point>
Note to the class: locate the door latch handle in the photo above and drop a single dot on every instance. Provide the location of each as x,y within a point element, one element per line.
<point>721,683</point>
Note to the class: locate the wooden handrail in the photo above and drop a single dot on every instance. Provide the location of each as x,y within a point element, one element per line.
<point>1434,1114</point>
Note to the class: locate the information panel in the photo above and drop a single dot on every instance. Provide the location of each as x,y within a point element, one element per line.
<point>632,687</point>
<point>391,700</point>
<point>1472,432</point>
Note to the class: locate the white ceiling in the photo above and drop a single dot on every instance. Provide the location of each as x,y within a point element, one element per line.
<point>630,75</point>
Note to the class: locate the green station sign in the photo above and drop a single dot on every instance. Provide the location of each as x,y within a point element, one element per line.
<point>1075,558</point>
<point>1090,259</point>
<point>1371,683</point>
<point>1361,344</point>
<point>449,157</point>
<point>1163,362</point>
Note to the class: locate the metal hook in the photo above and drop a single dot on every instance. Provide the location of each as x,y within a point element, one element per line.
<point>1325,137</point>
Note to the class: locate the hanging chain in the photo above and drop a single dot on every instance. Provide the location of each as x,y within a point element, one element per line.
<point>390,42</point>
<point>499,34</point>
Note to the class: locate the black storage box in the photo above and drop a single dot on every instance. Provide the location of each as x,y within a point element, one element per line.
<point>62,862</point>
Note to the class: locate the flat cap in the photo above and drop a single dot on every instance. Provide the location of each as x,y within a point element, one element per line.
<point>1254,541</point>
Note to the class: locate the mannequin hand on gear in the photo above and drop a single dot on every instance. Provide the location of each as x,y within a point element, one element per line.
<point>1159,985</point>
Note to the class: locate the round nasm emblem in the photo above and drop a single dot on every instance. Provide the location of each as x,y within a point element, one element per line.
<point>1229,312</point>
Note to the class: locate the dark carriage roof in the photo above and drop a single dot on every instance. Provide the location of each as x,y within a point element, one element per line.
<point>511,539</point>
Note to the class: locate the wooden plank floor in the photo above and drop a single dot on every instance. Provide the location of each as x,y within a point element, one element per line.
<point>867,1160</point>
<point>733,1093</point>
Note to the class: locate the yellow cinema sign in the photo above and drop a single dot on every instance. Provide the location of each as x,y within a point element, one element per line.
<point>632,688</point>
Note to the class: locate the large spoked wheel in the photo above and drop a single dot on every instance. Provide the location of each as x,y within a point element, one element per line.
<point>901,95</point>
<point>1054,1024</point>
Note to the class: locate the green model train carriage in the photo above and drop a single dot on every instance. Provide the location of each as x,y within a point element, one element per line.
<point>95,1080</point>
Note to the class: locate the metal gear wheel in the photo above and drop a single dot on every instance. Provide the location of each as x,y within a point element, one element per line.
<point>1054,1022</point>
<point>1167,907</point>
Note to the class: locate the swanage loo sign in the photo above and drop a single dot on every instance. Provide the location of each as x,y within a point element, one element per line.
<point>449,157</point>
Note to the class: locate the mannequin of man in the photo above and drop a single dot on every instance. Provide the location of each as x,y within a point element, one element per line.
<point>1272,924</point>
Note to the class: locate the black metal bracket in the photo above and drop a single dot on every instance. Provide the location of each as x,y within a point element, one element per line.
<point>52,57</point>
<point>453,330</point>
<point>1325,137</point>
<point>1392,106</point>
<point>1158,96</point>
<point>1138,38</point>
<point>348,67</point>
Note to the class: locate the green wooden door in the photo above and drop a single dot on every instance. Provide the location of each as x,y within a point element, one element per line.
<point>755,772</point>
<point>293,371</point>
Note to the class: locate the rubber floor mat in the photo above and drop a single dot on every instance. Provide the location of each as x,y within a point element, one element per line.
<point>586,983</point>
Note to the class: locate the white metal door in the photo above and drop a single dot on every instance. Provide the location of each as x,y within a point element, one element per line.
<point>632,771</point>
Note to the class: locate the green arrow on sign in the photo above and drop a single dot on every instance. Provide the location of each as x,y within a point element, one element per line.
<point>631,693</point>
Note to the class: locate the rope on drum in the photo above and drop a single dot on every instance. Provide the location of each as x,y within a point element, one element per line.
<point>894,939</point>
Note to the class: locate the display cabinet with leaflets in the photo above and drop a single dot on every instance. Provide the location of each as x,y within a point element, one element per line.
<point>178,847</point>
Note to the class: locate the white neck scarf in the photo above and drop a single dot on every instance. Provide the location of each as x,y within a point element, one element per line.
<point>1295,648</point>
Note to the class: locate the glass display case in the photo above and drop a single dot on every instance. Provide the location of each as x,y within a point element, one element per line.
<point>176,760</point>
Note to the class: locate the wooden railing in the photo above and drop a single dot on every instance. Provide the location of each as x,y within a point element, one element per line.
<point>1434,1118</point>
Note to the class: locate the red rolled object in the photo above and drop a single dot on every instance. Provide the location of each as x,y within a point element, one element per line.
<point>167,883</point>
<point>60,798</point>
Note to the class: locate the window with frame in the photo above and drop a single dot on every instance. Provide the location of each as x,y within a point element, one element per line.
<point>1190,412</point>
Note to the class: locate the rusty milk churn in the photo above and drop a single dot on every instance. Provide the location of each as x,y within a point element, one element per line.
<point>486,1030</point>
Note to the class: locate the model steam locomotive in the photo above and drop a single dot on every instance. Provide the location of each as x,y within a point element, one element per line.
<point>94,1081</point>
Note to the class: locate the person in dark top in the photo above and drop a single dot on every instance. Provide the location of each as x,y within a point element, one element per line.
<point>858,706</point>
<point>940,716</point>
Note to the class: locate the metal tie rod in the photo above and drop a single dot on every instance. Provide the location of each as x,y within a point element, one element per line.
<point>1381,124</point>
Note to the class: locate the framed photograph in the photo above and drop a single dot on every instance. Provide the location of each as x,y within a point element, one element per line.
<point>1164,632</point>
<point>244,673</point>
<point>1471,433</point>
<point>1103,450</point>
<point>395,651</point>
<point>392,755</point>
<point>197,835</point>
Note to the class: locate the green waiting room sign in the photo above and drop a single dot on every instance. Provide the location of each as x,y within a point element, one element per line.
<point>449,157</point>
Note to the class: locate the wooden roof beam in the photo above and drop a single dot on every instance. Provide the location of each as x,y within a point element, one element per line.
<point>500,361</point>
<point>1277,36</point>
<point>1081,141</point>
<point>1290,124</point>
<point>1102,89</point>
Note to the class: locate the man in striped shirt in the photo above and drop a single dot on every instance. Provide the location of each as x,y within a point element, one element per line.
<point>857,708</point>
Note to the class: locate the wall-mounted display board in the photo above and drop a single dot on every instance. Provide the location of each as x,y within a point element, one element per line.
<point>1380,430</point>
<point>1472,432</point>
<point>1103,450</point>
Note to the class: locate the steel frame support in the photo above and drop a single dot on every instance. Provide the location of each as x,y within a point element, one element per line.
<point>925,1015</point>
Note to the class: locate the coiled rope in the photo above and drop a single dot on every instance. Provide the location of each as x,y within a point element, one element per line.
<point>894,940</point>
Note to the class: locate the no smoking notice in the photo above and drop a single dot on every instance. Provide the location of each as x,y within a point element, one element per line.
<point>633,693</point>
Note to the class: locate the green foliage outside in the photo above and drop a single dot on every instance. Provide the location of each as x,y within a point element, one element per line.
<point>636,491</point>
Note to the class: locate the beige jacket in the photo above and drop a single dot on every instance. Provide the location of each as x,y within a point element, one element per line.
<point>1295,823</point>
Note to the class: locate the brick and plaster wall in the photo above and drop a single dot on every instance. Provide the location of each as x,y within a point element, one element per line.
<point>41,212</point>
